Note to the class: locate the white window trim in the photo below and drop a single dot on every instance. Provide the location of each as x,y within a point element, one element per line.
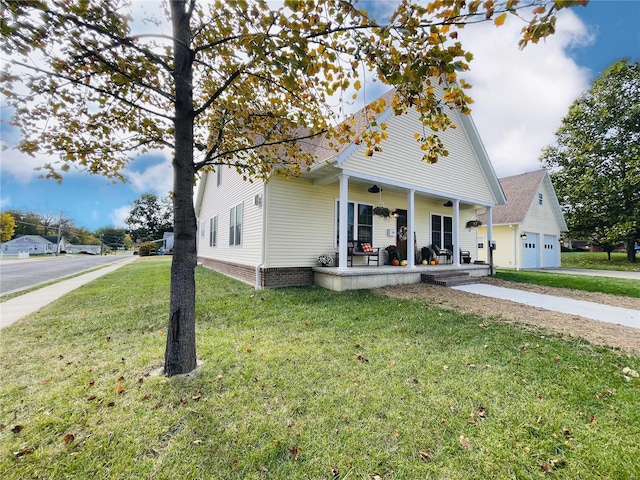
<point>213,231</point>
<point>233,242</point>
<point>355,221</point>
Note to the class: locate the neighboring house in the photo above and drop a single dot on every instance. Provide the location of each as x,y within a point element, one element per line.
<point>34,245</point>
<point>527,229</point>
<point>167,242</point>
<point>271,233</point>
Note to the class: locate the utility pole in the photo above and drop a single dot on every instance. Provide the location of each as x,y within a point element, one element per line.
<point>59,234</point>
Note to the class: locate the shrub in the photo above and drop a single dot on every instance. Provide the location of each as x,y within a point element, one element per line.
<point>147,249</point>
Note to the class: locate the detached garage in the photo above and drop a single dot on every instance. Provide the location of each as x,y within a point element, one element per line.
<point>527,229</point>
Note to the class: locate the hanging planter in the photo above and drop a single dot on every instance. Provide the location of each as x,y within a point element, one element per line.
<point>383,212</point>
<point>473,224</point>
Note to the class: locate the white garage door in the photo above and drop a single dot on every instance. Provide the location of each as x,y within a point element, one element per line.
<point>531,251</point>
<point>550,256</point>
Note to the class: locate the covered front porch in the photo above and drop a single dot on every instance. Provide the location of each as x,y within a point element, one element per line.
<point>363,277</point>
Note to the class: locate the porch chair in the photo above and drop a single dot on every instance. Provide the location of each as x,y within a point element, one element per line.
<point>465,256</point>
<point>362,249</point>
<point>442,252</point>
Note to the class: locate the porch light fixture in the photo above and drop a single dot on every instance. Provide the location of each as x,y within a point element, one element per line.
<point>523,236</point>
<point>394,214</point>
<point>374,189</point>
<point>448,203</point>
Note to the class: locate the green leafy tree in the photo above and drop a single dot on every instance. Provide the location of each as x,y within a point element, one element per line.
<point>7,226</point>
<point>237,83</point>
<point>28,223</point>
<point>150,216</point>
<point>113,237</point>
<point>596,160</point>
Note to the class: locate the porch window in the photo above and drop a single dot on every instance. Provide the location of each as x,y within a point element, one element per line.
<point>360,222</point>
<point>442,231</point>
<point>235,225</point>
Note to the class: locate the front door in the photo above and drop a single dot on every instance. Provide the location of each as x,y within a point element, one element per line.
<point>401,232</point>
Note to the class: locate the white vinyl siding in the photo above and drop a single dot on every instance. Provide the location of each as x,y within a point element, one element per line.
<point>218,201</point>
<point>400,160</point>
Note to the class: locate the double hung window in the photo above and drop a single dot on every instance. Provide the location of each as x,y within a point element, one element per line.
<point>235,225</point>
<point>442,231</point>
<point>213,231</point>
<point>360,222</point>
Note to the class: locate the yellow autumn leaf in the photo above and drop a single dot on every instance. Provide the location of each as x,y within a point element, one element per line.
<point>499,20</point>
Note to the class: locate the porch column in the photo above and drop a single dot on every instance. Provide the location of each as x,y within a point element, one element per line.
<point>490,237</point>
<point>344,222</point>
<point>456,233</point>
<point>411,244</point>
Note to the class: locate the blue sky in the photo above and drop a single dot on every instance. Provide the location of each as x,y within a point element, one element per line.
<point>520,100</point>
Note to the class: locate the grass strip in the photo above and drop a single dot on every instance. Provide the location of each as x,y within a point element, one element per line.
<point>599,261</point>
<point>305,383</point>
<point>613,286</point>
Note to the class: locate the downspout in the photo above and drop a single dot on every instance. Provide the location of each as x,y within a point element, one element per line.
<point>263,249</point>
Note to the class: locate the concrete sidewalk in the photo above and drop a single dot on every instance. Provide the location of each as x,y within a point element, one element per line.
<point>13,310</point>
<point>594,311</point>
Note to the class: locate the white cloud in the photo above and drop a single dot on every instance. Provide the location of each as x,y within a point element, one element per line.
<point>156,178</point>
<point>521,96</point>
<point>119,215</point>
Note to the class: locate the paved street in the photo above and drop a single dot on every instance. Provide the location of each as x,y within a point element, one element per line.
<point>20,274</point>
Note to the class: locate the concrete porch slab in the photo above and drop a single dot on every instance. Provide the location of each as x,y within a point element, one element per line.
<point>362,277</point>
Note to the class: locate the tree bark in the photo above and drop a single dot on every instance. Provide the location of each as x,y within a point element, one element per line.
<point>180,353</point>
<point>631,252</point>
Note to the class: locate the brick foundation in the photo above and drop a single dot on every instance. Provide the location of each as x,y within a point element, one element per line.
<point>269,277</point>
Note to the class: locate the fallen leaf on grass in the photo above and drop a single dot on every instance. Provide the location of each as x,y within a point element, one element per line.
<point>553,464</point>
<point>197,396</point>
<point>362,359</point>
<point>119,389</point>
<point>23,451</point>
<point>294,451</point>
<point>426,456</point>
<point>17,429</point>
<point>68,438</point>
<point>464,441</point>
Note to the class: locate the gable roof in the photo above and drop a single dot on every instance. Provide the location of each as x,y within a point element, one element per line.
<point>520,191</point>
<point>326,155</point>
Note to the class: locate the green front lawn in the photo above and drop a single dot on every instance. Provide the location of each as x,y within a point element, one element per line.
<point>599,261</point>
<point>614,286</point>
<point>305,383</point>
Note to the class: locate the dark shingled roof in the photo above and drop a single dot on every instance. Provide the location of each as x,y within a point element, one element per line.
<point>519,190</point>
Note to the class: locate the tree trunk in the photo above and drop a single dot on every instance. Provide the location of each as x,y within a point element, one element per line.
<point>180,354</point>
<point>631,252</point>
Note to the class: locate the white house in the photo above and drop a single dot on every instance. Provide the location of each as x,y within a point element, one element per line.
<point>271,233</point>
<point>527,229</point>
<point>34,245</point>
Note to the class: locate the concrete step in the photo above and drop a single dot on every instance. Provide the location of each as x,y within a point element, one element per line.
<point>448,278</point>
<point>455,281</point>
